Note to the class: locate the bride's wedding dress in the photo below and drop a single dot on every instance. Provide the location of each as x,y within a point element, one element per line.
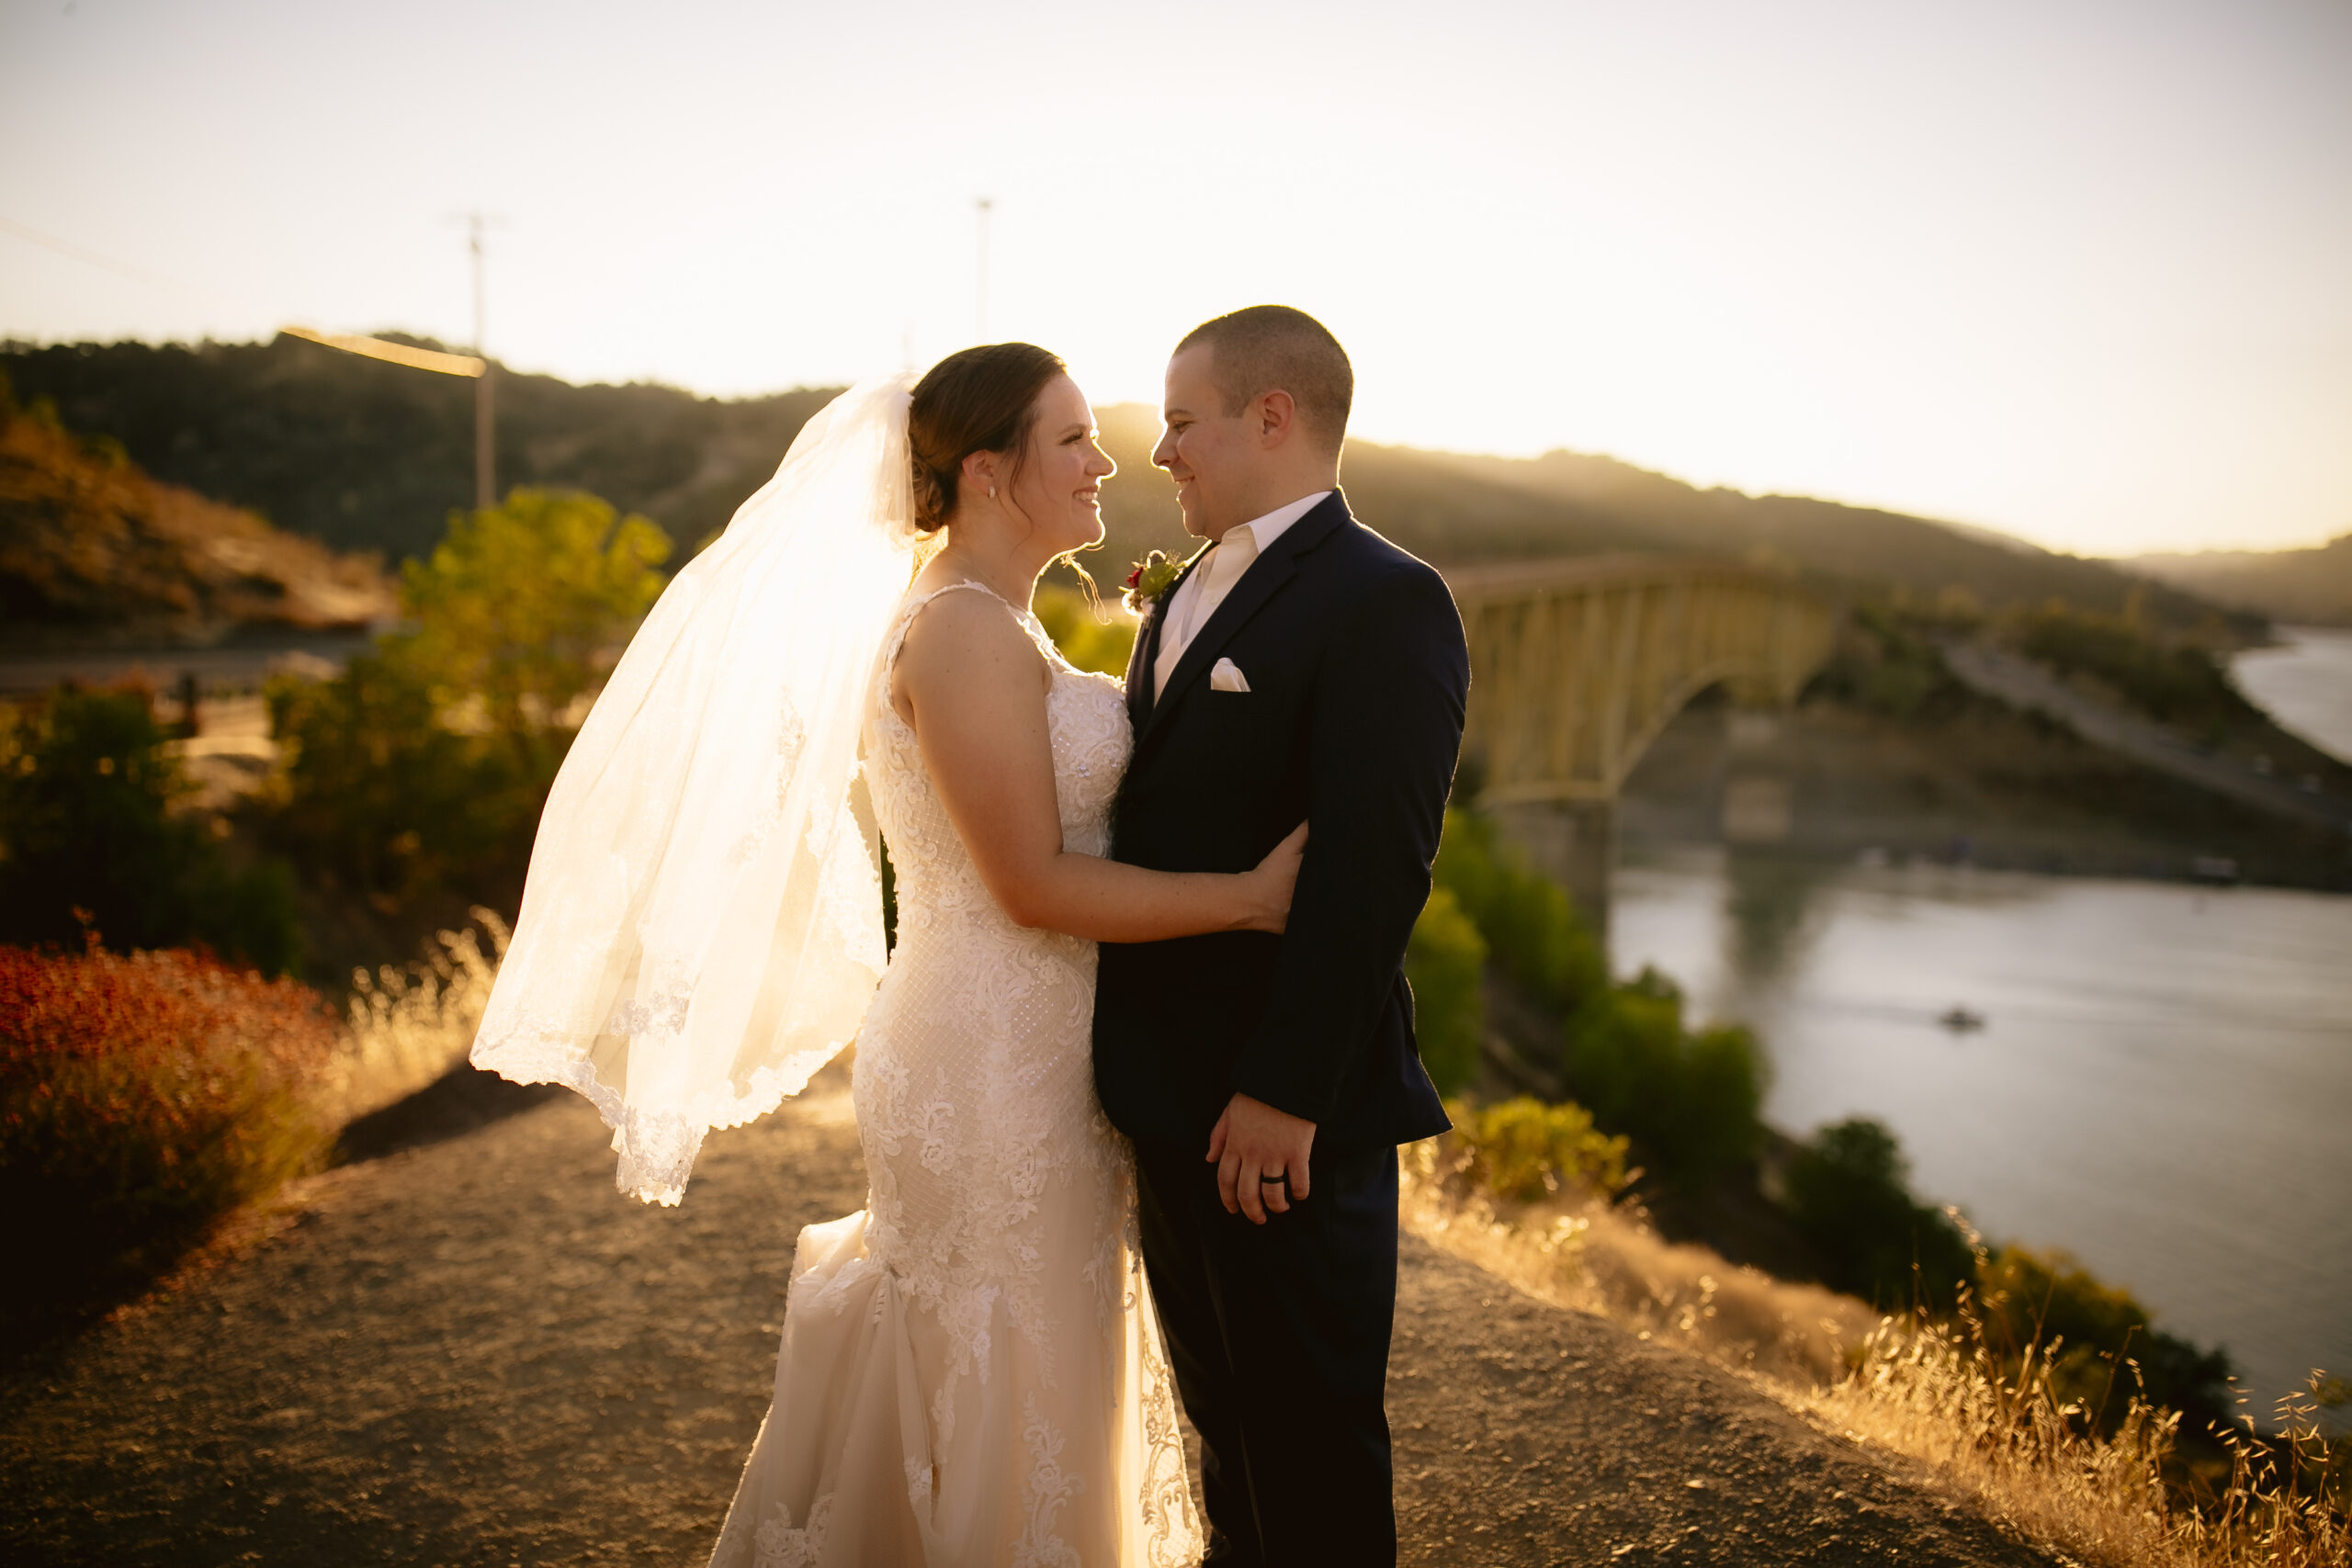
<point>971,1370</point>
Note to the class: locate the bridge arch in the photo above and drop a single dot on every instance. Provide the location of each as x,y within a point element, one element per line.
<point>1576,664</point>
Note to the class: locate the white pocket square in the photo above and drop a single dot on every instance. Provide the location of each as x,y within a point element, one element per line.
<point>1227,677</point>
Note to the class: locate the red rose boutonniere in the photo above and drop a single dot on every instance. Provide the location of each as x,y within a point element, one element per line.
<point>1149,582</point>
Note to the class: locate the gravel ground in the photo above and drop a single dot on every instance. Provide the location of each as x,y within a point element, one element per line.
<point>469,1349</point>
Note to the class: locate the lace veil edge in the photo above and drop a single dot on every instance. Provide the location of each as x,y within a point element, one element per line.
<point>701,927</point>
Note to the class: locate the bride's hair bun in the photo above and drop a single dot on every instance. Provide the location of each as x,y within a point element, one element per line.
<point>977,399</point>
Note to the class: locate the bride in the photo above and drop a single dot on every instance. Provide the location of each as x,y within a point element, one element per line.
<point>971,1370</point>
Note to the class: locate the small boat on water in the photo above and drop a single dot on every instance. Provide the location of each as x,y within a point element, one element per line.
<point>1961,1019</point>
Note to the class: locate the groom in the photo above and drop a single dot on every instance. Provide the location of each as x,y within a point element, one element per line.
<point>1302,668</point>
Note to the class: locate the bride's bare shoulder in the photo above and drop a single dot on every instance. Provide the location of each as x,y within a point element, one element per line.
<point>961,641</point>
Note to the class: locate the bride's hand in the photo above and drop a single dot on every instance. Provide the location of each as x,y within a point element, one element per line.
<point>1270,886</point>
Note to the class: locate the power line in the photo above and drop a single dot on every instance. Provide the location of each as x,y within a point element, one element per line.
<point>475,365</point>
<point>105,262</point>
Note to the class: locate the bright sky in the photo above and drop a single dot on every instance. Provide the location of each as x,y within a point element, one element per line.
<point>2076,269</point>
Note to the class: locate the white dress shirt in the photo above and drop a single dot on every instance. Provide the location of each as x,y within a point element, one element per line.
<point>1195,598</point>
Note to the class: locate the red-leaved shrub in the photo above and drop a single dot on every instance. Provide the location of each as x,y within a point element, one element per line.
<point>142,1096</point>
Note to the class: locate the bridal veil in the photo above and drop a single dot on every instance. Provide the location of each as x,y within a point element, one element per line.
<point>702,926</point>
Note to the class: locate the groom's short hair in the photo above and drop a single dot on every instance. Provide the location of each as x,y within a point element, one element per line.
<point>1272,348</point>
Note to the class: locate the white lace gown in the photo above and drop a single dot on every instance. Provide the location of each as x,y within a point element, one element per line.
<point>970,1372</point>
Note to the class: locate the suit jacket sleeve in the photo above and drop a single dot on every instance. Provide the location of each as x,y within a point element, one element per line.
<point>1385,731</point>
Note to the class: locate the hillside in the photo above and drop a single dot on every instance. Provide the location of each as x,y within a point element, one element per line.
<point>364,455</point>
<point>1451,508</point>
<point>2309,588</point>
<point>94,550</point>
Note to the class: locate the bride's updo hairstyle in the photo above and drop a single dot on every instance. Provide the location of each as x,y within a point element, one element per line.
<point>977,399</point>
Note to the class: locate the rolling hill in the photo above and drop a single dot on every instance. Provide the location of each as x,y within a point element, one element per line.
<point>367,456</point>
<point>2311,587</point>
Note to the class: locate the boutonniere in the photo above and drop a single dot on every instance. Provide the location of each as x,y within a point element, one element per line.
<point>1149,582</point>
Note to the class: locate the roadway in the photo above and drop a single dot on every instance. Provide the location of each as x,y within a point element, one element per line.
<point>2024,684</point>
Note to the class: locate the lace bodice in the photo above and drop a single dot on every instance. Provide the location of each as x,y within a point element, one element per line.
<point>976,1058</point>
<point>938,887</point>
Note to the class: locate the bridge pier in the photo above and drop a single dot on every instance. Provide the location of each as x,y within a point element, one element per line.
<point>1573,842</point>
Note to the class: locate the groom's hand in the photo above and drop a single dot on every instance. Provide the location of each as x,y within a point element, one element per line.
<point>1253,1141</point>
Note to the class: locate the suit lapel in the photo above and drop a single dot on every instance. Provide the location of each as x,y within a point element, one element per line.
<point>1265,578</point>
<point>1139,663</point>
<point>1146,657</point>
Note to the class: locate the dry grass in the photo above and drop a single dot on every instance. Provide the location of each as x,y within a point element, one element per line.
<point>1575,1248</point>
<point>1937,1391</point>
<point>407,1026</point>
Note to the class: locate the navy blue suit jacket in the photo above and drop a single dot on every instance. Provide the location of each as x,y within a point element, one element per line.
<point>1357,672</point>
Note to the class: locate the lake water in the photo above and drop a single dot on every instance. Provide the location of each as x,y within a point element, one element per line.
<point>2163,1086</point>
<point>2305,684</point>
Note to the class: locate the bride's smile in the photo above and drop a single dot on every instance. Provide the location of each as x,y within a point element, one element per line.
<point>1060,486</point>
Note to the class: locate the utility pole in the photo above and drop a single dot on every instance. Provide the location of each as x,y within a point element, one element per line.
<point>485,418</point>
<point>984,206</point>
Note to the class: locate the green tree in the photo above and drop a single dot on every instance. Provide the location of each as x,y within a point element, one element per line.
<point>1848,1190</point>
<point>381,798</point>
<point>89,821</point>
<point>1531,929</point>
<point>520,609</point>
<point>1444,963</point>
<point>1692,1099</point>
<point>425,764</point>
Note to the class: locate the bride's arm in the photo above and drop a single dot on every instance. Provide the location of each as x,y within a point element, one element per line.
<point>974,687</point>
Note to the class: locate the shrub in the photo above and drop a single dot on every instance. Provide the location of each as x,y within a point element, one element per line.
<point>1444,963</point>
<point>1532,930</point>
<point>1525,1150</point>
<point>1886,661</point>
<point>88,823</point>
<point>2090,1330</point>
<point>380,796</point>
<point>142,1095</point>
<point>1693,1099</point>
<point>1085,641</point>
<point>1847,1193</point>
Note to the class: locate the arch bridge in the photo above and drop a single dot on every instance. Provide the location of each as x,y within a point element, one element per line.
<point>1578,663</point>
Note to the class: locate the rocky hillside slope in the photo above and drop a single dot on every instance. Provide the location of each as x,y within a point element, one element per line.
<point>94,550</point>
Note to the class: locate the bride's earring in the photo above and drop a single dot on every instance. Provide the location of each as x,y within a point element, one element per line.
<point>991,493</point>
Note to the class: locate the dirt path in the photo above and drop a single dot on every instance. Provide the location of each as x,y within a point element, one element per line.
<point>470,1350</point>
